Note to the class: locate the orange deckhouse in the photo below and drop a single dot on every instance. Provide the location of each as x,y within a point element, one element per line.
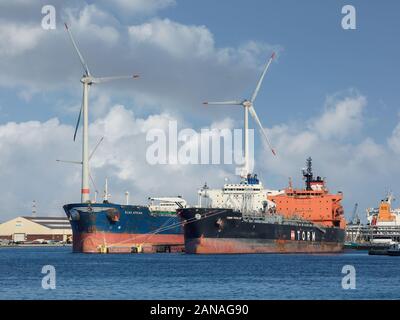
<point>314,203</point>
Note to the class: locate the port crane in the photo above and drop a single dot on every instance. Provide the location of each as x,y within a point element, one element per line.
<point>355,218</point>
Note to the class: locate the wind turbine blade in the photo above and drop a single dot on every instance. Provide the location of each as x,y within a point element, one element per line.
<point>84,65</point>
<point>106,79</point>
<point>262,78</point>
<point>255,117</point>
<point>69,161</point>
<point>95,148</point>
<point>233,102</point>
<point>79,119</point>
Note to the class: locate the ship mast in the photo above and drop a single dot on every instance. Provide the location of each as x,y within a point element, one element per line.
<point>308,174</point>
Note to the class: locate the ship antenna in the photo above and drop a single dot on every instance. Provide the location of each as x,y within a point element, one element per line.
<point>106,196</point>
<point>127,197</point>
<point>308,175</point>
<point>290,183</point>
<point>309,166</point>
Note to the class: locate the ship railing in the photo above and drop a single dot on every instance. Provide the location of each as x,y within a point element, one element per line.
<point>275,218</point>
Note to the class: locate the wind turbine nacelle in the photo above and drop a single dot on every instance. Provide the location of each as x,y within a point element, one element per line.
<point>247,103</point>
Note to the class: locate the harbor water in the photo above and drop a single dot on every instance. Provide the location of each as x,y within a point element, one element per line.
<point>180,276</point>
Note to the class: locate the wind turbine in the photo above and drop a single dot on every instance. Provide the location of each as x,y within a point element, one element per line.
<point>87,80</point>
<point>248,106</point>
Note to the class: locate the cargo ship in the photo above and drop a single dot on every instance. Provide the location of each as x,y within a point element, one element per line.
<point>109,227</point>
<point>382,228</point>
<point>384,215</point>
<point>115,228</point>
<point>309,220</point>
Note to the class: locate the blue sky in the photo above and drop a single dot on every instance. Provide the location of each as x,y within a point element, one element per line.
<point>317,62</point>
<point>318,57</point>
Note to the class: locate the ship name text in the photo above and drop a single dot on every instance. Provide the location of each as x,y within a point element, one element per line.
<point>133,212</point>
<point>302,235</point>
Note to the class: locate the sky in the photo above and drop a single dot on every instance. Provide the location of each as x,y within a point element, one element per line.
<point>331,94</point>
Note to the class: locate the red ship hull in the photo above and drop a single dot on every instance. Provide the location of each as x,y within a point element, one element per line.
<point>114,228</point>
<point>246,246</point>
<point>226,231</point>
<point>125,242</point>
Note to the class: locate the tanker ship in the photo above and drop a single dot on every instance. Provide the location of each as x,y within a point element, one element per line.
<point>109,227</point>
<point>309,220</point>
<point>246,218</point>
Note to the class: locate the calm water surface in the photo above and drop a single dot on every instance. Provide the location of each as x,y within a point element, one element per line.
<point>180,276</point>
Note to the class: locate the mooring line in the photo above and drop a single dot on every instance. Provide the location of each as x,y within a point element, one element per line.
<point>161,229</point>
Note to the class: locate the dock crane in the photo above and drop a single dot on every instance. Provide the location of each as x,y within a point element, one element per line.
<point>355,218</point>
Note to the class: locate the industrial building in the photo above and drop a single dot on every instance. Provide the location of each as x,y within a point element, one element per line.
<point>24,229</point>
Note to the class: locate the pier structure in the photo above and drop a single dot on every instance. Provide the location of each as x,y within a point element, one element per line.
<point>372,233</point>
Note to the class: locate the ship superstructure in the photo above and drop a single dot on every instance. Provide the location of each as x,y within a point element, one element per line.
<point>166,206</point>
<point>314,203</point>
<point>384,215</point>
<point>247,196</point>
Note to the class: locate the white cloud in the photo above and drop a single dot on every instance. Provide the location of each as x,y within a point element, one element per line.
<point>362,168</point>
<point>394,140</point>
<point>17,39</point>
<point>95,23</point>
<point>177,39</point>
<point>341,117</point>
<point>171,58</point>
<point>28,167</point>
<point>29,150</point>
<point>137,7</point>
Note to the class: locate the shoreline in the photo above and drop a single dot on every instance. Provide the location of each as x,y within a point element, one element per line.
<point>34,245</point>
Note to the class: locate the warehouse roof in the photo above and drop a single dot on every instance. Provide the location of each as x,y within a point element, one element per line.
<point>51,222</point>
